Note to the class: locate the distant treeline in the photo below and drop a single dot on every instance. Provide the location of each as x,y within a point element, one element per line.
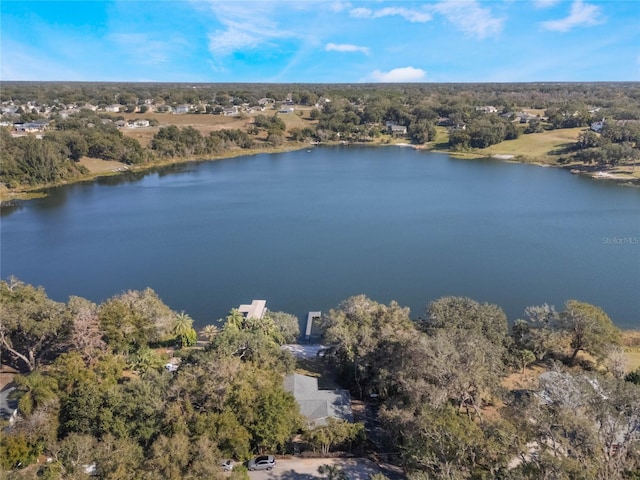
<point>477,115</point>
<point>621,96</point>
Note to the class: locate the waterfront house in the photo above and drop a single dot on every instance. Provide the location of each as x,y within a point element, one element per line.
<point>318,405</point>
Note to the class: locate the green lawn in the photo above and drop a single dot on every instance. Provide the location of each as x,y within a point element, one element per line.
<point>536,146</point>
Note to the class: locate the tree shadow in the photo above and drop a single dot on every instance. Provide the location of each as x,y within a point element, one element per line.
<point>293,475</point>
<point>563,149</point>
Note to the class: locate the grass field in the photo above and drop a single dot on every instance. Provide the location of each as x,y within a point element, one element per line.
<point>631,342</point>
<point>538,147</point>
<point>206,123</point>
<point>533,147</point>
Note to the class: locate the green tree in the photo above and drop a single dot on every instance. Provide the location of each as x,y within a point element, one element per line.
<point>525,358</point>
<point>440,443</point>
<point>16,451</point>
<point>286,325</point>
<point>277,419</point>
<point>118,458</point>
<point>169,457</point>
<point>541,332</point>
<point>134,319</point>
<point>260,403</point>
<point>355,330</point>
<point>35,390</point>
<point>462,313</point>
<point>183,330</point>
<point>32,326</point>
<point>590,329</point>
<point>145,359</point>
<point>335,432</point>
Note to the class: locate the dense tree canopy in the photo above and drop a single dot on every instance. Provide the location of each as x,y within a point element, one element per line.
<point>434,389</point>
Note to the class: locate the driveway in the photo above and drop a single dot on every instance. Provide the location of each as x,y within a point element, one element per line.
<point>307,469</point>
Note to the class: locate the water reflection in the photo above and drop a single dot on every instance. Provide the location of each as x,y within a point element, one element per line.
<point>10,207</point>
<point>306,230</point>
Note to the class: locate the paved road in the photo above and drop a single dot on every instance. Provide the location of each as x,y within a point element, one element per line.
<point>307,469</point>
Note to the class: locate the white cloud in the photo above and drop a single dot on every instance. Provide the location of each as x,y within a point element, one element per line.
<point>345,47</point>
<point>470,18</point>
<point>581,14</point>
<point>339,6</point>
<point>361,12</point>
<point>413,16</point>
<point>144,49</point>
<point>241,30</point>
<point>399,75</point>
<point>544,3</point>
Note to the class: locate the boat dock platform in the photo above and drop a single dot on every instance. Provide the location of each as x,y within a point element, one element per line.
<point>310,318</point>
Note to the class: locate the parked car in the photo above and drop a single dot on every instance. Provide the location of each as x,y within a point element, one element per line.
<point>227,465</point>
<point>265,462</point>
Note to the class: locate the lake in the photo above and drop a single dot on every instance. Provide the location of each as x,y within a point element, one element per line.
<point>307,229</point>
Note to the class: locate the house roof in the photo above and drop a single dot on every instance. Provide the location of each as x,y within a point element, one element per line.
<point>318,405</point>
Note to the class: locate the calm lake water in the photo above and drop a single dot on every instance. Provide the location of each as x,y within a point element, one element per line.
<point>307,229</point>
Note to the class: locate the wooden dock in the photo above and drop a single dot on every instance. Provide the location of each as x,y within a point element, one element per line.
<point>310,318</point>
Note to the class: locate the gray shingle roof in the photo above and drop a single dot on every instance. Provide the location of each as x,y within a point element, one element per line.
<point>317,405</point>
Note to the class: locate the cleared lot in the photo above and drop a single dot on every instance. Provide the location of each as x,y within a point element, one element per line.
<point>307,469</point>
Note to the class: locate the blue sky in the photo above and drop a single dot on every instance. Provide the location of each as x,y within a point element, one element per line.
<point>321,41</point>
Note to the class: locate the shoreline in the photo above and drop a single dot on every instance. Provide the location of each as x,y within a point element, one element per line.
<point>10,197</point>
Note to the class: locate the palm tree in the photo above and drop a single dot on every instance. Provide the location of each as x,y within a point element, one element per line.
<point>183,330</point>
<point>210,332</point>
<point>145,359</point>
<point>235,319</point>
<point>35,390</point>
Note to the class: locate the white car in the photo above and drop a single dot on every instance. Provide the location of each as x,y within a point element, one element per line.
<point>265,462</point>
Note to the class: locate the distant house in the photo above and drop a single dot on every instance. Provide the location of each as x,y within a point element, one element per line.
<point>487,109</point>
<point>112,108</point>
<point>597,126</point>
<point>318,405</point>
<point>231,111</point>
<point>142,123</point>
<point>29,127</point>
<point>286,109</point>
<point>266,101</point>
<point>524,117</point>
<point>182,109</point>
<point>9,110</point>
<point>398,130</point>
